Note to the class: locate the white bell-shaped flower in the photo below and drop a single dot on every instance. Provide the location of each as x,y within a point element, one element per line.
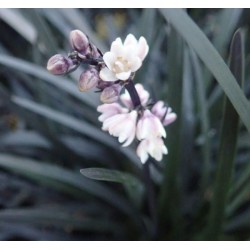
<point>149,126</point>
<point>164,113</point>
<point>122,126</point>
<point>154,147</point>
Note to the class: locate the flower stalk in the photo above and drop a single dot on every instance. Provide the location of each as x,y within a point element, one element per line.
<point>130,87</point>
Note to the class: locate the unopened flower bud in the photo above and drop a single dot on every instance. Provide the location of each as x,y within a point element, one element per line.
<point>111,94</point>
<point>59,65</point>
<point>79,41</point>
<point>88,80</point>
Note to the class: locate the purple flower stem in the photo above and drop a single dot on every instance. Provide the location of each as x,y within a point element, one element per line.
<point>130,87</point>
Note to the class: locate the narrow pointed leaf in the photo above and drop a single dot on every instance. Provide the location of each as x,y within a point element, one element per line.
<point>196,39</point>
<point>228,144</point>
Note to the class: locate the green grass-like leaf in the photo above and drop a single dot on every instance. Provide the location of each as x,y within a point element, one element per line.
<point>133,186</point>
<point>61,179</point>
<point>208,54</point>
<point>228,144</point>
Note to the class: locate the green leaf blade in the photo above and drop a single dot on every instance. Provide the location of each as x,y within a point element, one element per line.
<point>228,146</point>
<point>211,58</point>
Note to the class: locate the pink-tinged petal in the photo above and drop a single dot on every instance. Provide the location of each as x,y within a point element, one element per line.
<point>107,75</point>
<point>149,126</point>
<point>123,75</point>
<point>135,64</point>
<point>110,123</point>
<point>126,100</point>
<point>130,40</point>
<point>159,109</point>
<point>142,48</point>
<point>142,151</point>
<point>143,127</point>
<point>171,117</point>
<point>109,110</point>
<point>143,94</point>
<point>122,126</point>
<point>129,130</point>
<point>109,59</point>
<point>117,48</point>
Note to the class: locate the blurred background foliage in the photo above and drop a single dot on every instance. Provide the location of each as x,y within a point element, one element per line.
<point>49,131</point>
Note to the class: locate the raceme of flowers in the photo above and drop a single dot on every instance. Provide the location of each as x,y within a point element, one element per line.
<point>122,121</point>
<point>130,115</point>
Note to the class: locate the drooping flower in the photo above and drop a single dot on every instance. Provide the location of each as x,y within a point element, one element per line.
<point>124,58</point>
<point>164,113</point>
<point>154,147</point>
<point>122,126</point>
<point>149,126</point>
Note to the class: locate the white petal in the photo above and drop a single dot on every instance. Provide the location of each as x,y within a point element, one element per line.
<point>123,75</point>
<point>142,151</point>
<point>159,127</point>
<point>130,52</point>
<point>129,128</point>
<point>109,59</point>
<point>118,40</point>
<point>142,48</point>
<point>107,75</point>
<point>135,64</point>
<point>143,94</point>
<point>109,110</point>
<point>130,40</point>
<point>117,47</point>
<point>109,123</point>
<point>144,126</point>
<point>156,148</point>
<point>164,150</point>
<point>149,126</point>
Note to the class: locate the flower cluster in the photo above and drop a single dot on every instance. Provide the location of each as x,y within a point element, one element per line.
<point>129,115</point>
<point>107,73</point>
<point>145,124</point>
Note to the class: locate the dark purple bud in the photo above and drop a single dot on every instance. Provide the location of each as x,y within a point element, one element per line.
<point>79,41</point>
<point>88,80</point>
<point>59,64</point>
<point>111,94</point>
